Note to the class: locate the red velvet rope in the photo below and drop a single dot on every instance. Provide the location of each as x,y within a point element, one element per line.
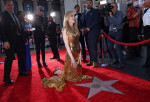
<point>99,37</point>
<point>130,44</point>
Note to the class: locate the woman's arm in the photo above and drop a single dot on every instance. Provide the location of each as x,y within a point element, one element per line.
<point>65,38</point>
<point>80,57</point>
<point>146,4</point>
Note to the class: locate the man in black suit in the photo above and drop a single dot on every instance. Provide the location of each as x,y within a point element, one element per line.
<point>91,29</point>
<point>51,32</point>
<point>39,35</point>
<point>13,37</point>
<point>81,39</point>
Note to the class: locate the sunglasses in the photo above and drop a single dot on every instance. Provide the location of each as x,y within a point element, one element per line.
<point>41,10</point>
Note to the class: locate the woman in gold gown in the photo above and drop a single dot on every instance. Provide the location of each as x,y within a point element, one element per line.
<point>72,66</point>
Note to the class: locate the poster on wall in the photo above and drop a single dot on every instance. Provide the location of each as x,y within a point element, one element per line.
<point>28,7</point>
<point>15,8</point>
<point>45,8</point>
<point>0,6</point>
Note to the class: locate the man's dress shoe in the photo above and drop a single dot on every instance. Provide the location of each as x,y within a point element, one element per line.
<point>40,65</point>
<point>44,64</point>
<point>90,63</point>
<point>8,81</point>
<point>53,58</point>
<point>146,66</point>
<point>24,74</point>
<point>58,58</point>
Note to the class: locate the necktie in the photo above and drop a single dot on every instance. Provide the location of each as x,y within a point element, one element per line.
<point>17,22</point>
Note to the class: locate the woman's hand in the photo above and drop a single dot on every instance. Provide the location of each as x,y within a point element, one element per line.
<point>73,63</point>
<point>26,42</point>
<point>6,45</point>
<point>80,57</point>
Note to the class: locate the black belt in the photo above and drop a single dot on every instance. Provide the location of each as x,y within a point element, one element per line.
<point>147,26</point>
<point>115,30</point>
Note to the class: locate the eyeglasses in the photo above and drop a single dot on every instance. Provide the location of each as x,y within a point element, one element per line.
<point>41,10</point>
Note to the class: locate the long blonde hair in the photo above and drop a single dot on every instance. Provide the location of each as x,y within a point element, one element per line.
<point>66,24</point>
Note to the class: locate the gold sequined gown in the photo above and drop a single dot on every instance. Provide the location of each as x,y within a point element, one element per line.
<point>70,74</point>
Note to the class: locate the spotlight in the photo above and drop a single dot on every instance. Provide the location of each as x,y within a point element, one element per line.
<point>103,2</point>
<point>30,17</point>
<point>53,14</point>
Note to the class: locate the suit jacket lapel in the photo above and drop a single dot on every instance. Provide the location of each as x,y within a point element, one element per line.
<point>9,17</point>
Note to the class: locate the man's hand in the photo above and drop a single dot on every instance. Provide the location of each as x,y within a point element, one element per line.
<point>139,37</point>
<point>26,42</point>
<point>85,30</point>
<point>110,14</point>
<point>137,14</point>
<point>6,45</point>
<point>146,4</point>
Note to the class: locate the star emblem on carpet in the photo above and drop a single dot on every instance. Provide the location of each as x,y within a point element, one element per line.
<point>98,85</point>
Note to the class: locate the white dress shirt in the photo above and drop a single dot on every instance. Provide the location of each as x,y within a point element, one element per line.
<point>146,18</point>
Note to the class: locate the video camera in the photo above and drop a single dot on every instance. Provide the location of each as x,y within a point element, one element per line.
<point>106,9</point>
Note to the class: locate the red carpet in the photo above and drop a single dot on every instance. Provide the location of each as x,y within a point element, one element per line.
<point>30,89</point>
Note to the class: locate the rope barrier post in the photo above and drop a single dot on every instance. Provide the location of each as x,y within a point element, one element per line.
<point>103,42</point>
<point>1,59</point>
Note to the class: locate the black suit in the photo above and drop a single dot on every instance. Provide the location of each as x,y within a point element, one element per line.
<point>81,39</point>
<point>14,35</point>
<point>147,36</point>
<point>51,32</point>
<point>39,37</point>
<point>90,19</point>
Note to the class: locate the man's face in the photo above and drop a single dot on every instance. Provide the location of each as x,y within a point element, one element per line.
<point>22,15</point>
<point>40,12</point>
<point>115,8</point>
<point>50,19</point>
<point>77,9</point>
<point>89,4</point>
<point>9,6</point>
<point>100,5</point>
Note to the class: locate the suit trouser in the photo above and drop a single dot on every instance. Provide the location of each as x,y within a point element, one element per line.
<point>92,39</point>
<point>40,45</point>
<point>147,36</point>
<point>19,49</point>
<point>81,39</point>
<point>53,44</point>
<point>118,37</point>
<point>133,33</point>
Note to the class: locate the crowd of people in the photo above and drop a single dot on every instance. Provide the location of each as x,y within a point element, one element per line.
<point>78,29</point>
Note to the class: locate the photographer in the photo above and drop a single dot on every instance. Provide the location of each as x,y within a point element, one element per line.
<point>114,21</point>
<point>39,35</point>
<point>146,33</point>
<point>104,9</point>
<point>135,23</point>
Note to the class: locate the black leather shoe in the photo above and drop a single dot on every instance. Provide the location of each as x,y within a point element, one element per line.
<point>100,56</point>
<point>85,61</point>
<point>24,74</point>
<point>8,81</point>
<point>14,58</point>
<point>53,57</point>
<point>114,62</point>
<point>39,65</point>
<point>146,66</point>
<point>58,58</point>
<point>44,64</point>
<point>119,66</point>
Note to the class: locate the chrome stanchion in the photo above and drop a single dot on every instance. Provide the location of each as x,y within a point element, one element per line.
<point>103,42</point>
<point>1,44</point>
